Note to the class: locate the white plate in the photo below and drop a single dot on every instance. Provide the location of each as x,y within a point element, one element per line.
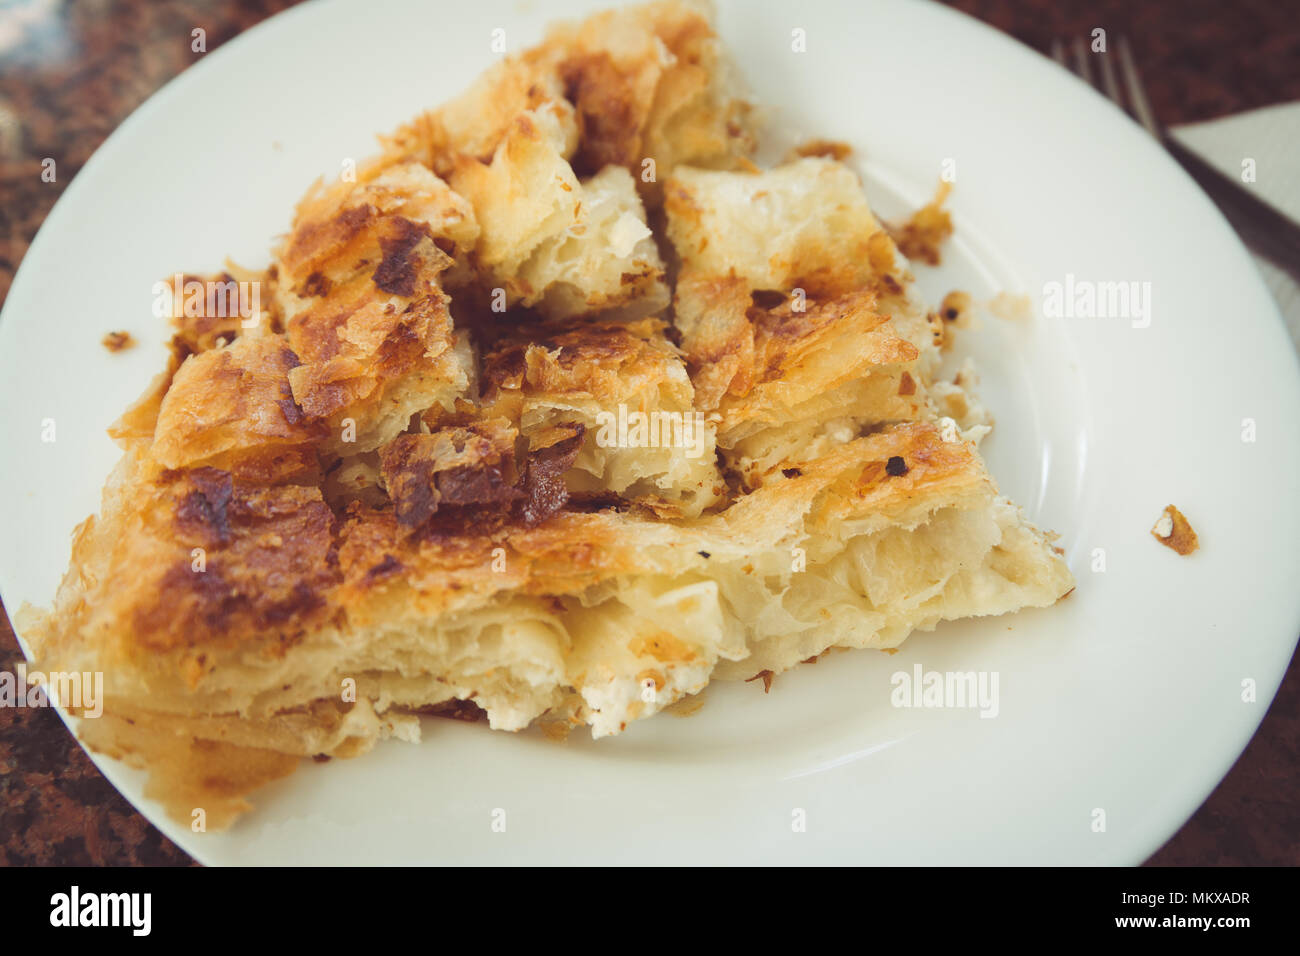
<point>1126,698</point>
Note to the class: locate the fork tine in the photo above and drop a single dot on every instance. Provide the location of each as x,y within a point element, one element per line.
<point>1136,94</point>
<point>1108,81</point>
<point>1058,53</point>
<point>1081,64</point>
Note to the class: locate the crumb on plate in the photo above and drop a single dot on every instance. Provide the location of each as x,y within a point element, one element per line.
<point>827,148</point>
<point>1174,531</point>
<point>921,235</point>
<point>956,309</point>
<point>117,341</point>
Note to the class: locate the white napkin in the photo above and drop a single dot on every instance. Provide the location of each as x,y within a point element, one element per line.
<point>1271,137</point>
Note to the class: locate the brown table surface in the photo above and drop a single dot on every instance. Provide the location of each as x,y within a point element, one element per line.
<point>71,72</point>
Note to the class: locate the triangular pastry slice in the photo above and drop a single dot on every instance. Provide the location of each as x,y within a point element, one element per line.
<point>422,478</point>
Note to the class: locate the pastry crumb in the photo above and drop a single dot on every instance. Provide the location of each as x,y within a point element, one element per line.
<point>826,148</point>
<point>956,308</point>
<point>1174,531</point>
<point>117,341</point>
<point>921,235</point>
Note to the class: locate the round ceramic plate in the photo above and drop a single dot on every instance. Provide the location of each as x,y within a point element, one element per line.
<point>1118,710</point>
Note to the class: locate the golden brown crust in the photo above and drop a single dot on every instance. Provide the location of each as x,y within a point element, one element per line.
<point>827,367</point>
<point>233,407</point>
<point>804,225</point>
<point>603,375</point>
<point>338,230</point>
<point>712,314</point>
<point>611,111</point>
<point>601,360</point>
<point>213,310</point>
<point>648,83</point>
<point>473,465</point>
<point>473,124</point>
<point>264,567</point>
<point>784,334</point>
<point>352,349</point>
<point>359,282</point>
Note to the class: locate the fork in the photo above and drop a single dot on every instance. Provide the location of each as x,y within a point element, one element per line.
<point>1263,228</point>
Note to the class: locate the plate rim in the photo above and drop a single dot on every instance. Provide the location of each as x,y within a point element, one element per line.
<point>70,199</point>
